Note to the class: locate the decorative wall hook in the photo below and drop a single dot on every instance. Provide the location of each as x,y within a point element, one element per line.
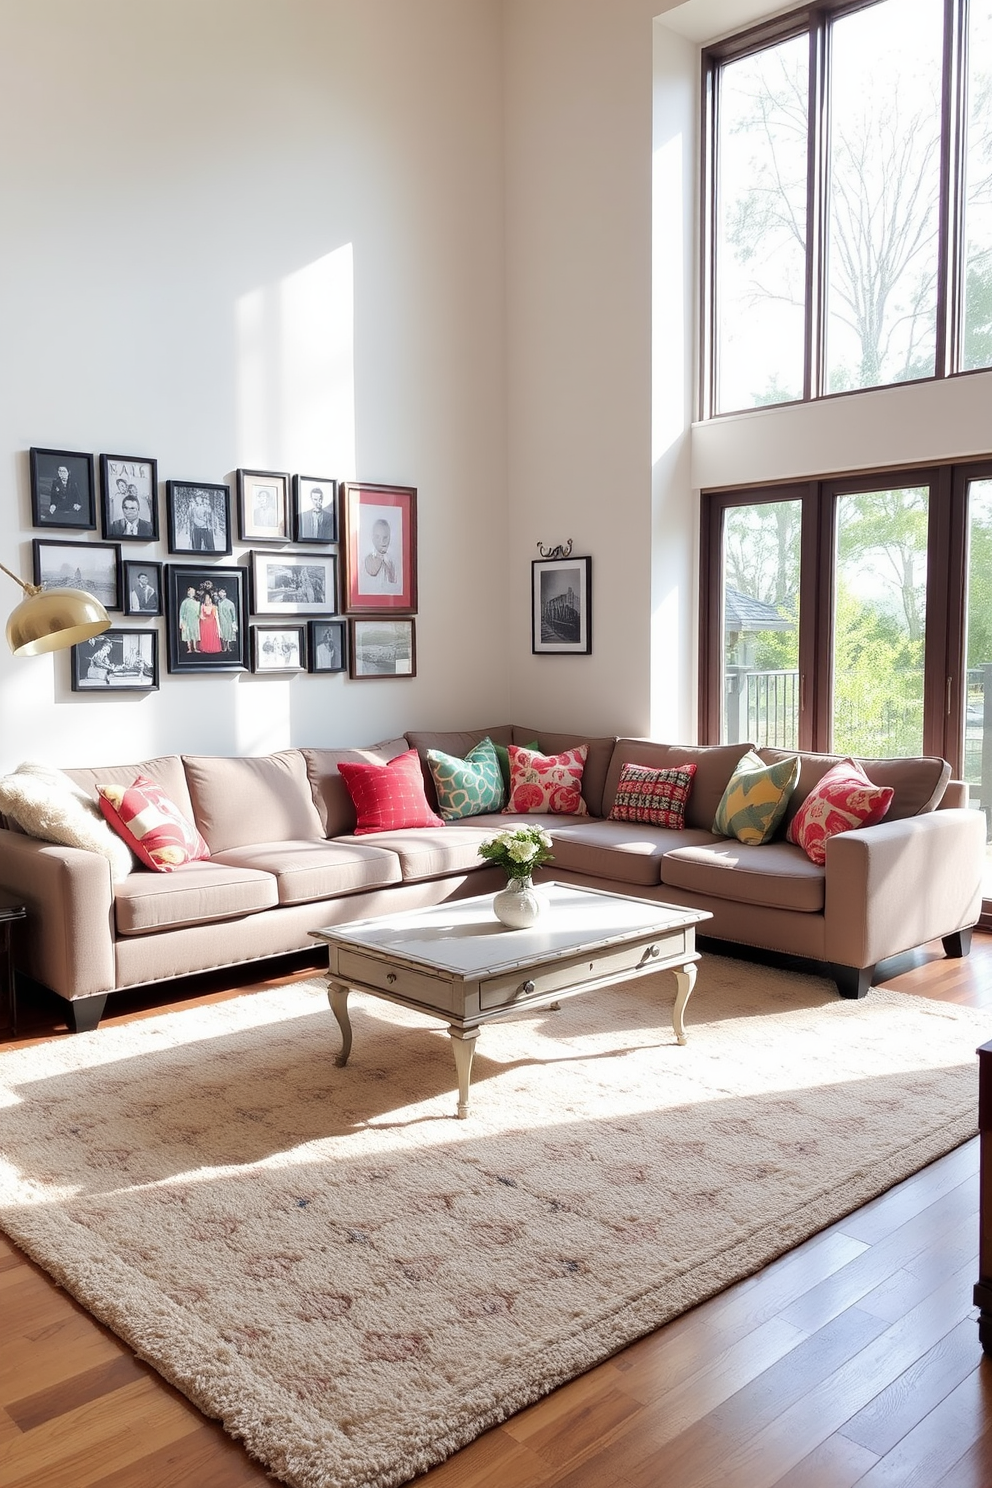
<point>558,552</point>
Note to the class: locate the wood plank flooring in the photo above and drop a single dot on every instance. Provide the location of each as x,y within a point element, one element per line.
<point>854,1359</point>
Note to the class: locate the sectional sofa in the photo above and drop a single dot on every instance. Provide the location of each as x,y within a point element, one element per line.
<point>285,861</point>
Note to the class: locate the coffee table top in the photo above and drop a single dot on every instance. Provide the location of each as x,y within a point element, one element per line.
<point>464,938</point>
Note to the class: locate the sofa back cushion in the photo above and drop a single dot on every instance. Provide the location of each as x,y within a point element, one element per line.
<point>714,766</point>
<point>334,806</point>
<point>166,771</point>
<point>918,783</point>
<point>454,742</point>
<point>250,799</point>
<point>599,752</point>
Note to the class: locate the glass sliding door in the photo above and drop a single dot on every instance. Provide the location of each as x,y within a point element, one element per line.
<point>978,660</point>
<point>760,633</point>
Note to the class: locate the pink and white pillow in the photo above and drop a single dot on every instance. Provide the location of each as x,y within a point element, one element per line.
<point>843,799</point>
<point>546,783</point>
<point>389,797</point>
<point>151,824</point>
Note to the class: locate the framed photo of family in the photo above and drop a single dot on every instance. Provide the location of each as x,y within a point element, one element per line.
<point>380,546</point>
<point>383,648</point>
<point>141,586</point>
<point>315,509</point>
<point>293,583</point>
<point>278,648</point>
<point>199,517</point>
<point>263,506</point>
<point>326,648</point>
<point>206,618</point>
<point>93,566</point>
<point>561,606</point>
<point>129,493</point>
<point>63,490</point>
<point>116,661</point>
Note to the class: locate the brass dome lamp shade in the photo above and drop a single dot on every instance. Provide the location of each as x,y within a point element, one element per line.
<point>51,619</point>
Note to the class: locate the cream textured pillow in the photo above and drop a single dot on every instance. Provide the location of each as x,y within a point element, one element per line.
<point>47,803</point>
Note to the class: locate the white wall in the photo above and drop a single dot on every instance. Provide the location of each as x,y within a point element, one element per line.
<point>247,233</point>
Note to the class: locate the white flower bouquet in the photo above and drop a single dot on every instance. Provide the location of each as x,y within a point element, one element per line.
<point>518,851</point>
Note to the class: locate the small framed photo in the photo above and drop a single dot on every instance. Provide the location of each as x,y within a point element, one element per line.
<point>141,586</point>
<point>93,566</point>
<point>199,517</point>
<point>116,661</point>
<point>315,509</point>
<point>561,606</point>
<point>383,648</point>
<point>129,492</point>
<point>380,544</point>
<point>293,583</point>
<point>63,490</point>
<point>263,506</point>
<point>326,648</point>
<point>278,648</point>
<point>206,613</point>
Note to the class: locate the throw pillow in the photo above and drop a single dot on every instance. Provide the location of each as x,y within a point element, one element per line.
<point>542,783</point>
<point>655,798</point>
<point>47,803</point>
<point>469,786</point>
<point>503,755</point>
<point>844,799</point>
<point>388,797</point>
<point>756,798</point>
<point>152,825</point>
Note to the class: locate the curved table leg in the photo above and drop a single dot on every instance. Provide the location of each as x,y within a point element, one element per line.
<point>686,979</point>
<point>463,1048</point>
<point>337,996</point>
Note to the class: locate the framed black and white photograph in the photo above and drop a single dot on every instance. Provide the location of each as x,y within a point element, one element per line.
<point>206,613</point>
<point>93,566</point>
<point>278,648</point>
<point>315,509</point>
<point>326,645</point>
<point>293,583</point>
<point>141,586</point>
<point>263,506</point>
<point>383,648</point>
<point>129,493</point>
<point>63,489</point>
<point>561,606</point>
<point>199,517</point>
<point>116,661</point>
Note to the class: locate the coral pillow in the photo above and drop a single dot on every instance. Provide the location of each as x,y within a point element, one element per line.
<point>756,798</point>
<point>654,797</point>
<point>388,797</point>
<point>844,799</point>
<point>469,786</point>
<point>153,827</point>
<point>542,783</point>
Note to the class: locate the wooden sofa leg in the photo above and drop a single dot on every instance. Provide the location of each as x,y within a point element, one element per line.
<point>958,944</point>
<point>852,981</point>
<point>84,1013</point>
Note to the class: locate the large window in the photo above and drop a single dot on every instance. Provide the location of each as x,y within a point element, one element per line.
<point>849,201</point>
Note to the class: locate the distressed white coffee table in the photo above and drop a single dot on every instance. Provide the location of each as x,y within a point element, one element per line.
<point>457,962</point>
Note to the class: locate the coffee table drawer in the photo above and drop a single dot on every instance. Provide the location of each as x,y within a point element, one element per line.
<point>520,987</point>
<point>395,980</point>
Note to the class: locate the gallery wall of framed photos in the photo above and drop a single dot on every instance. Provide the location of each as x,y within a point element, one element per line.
<point>327,584</point>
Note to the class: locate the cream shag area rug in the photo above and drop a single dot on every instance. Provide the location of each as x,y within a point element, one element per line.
<point>357,1284</point>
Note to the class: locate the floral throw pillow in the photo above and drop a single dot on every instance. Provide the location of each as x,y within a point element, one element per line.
<point>389,797</point>
<point>543,783</point>
<point>153,827</point>
<point>469,786</point>
<point>655,798</point>
<point>844,799</point>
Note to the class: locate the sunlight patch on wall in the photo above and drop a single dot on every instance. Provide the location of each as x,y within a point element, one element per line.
<point>669,356</point>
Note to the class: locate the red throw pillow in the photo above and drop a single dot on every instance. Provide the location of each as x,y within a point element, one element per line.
<point>656,798</point>
<point>389,797</point>
<point>542,783</point>
<point>844,799</point>
<point>153,827</point>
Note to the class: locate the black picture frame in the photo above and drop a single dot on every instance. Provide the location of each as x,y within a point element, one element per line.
<point>63,489</point>
<point>199,516</point>
<point>94,567</point>
<point>278,650</point>
<point>327,645</point>
<point>138,598</point>
<point>263,506</point>
<point>289,583</point>
<point>126,478</point>
<point>561,606</point>
<point>382,646</point>
<point>183,646</point>
<point>116,661</point>
<point>315,521</point>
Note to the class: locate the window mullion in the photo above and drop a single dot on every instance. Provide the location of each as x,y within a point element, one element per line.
<point>954,120</point>
<point>816,217</point>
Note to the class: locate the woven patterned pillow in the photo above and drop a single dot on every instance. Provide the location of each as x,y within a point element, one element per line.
<point>389,797</point>
<point>542,783</point>
<point>153,827</point>
<point>756,798</point>
<point>843,799</point>
<point>469,786</point>
<point>656,798</point>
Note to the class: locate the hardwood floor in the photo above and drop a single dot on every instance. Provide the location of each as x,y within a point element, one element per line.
<point>854,1359</point>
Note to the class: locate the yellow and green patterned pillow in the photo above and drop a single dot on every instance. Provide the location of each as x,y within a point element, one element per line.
<point>469,786</point>
<point>756,798</point>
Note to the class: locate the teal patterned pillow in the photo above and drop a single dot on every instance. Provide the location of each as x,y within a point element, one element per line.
<point>469,786</point>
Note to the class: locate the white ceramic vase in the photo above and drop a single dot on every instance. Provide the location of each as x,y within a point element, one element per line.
<point>519,905</point>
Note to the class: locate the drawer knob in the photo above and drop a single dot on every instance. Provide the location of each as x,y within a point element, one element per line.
<point>528,988</point>
<point>390,977</point>
<point>654,950</point>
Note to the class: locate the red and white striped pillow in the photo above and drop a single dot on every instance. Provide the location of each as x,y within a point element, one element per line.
<point>153,827</point>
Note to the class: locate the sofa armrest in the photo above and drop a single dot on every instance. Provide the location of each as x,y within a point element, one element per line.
<point>68,941</point>
<point>898,884</point>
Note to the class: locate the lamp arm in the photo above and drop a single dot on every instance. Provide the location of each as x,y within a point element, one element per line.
<point>28,588</point>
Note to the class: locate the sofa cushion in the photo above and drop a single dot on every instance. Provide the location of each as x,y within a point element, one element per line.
<point>599,752</point>
<point>549,783</point>
<point>469,786</point>
<point>389,797</point>
<point>616,850</point>
<point>775,874</point>
<point>657,798</point>
<point>151,824</point>
<point>714,767</point>
<point>457,742</point>
<point>194,894</point>
<point>330,794</point>
<point>252,799</point>
<point>843,800</point>
<point>434,852</point>
<point>756,798</point>
<point>165,769</point>
<point>918,782</point>
<point>306,870</point>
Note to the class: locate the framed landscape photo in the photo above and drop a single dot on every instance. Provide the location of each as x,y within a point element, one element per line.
<point>141,587</point>
<point>263,506</point>
<point>116,661</point>
<point>293,583</point>
<point>380,545</point>
<point>199,517</point>
<point>206,615</point>
<point>278,648</point>
<point>129,495</point>
<point>560,606</point>
<point>327,650</point>
<point>383,648</point>
<point>315,509</point>
<point>93,566</point>
<point>63,490</point>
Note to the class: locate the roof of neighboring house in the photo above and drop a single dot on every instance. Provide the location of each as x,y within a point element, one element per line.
<point>744,612</point>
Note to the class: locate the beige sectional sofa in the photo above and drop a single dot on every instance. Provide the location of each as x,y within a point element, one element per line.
<point>285,861</point>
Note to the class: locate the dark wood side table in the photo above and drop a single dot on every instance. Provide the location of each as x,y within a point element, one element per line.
<point>11,910</point>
